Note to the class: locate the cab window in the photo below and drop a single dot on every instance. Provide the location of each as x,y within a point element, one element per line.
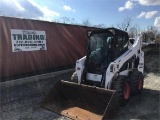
<point>121,45</point>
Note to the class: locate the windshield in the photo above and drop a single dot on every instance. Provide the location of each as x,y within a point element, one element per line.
<point>98,50</point>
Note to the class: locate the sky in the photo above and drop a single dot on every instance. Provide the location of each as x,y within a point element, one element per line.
<point>144,13</point>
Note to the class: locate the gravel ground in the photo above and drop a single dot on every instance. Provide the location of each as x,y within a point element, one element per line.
<point>22,102</point>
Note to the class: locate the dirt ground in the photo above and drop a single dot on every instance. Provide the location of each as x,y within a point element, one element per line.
<point>22,102</point>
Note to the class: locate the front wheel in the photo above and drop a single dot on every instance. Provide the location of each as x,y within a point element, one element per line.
<point>122,86</point>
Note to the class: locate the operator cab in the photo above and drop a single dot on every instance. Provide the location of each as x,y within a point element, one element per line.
<point>104,47</point>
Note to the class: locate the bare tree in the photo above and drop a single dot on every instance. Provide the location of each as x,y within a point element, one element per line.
<point>124,25</point>
<point>134,31</point>
<point>73,21</point>
<point>65,20</point>
<point>100,26</point>
<point>150,33</point>
<point>86,22</point>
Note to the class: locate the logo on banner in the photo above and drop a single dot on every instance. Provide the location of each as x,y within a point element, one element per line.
<point>28,40</point>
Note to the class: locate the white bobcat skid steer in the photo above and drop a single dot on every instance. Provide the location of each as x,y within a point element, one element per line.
<point>104,79</point>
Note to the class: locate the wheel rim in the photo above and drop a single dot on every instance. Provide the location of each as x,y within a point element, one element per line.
<point>126,92</point>
<point>140,84</point>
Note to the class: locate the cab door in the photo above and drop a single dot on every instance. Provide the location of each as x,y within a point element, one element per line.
<point>121,44</point>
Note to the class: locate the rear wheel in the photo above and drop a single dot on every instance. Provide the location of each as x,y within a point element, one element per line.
<point>122,86</point>
<point>136,79</point>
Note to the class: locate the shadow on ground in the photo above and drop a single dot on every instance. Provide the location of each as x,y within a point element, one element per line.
<point>144,106</point>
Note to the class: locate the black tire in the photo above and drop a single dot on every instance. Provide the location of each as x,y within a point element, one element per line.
<point>136,80</point>
<point>74,78</point>
<point>122,86</point>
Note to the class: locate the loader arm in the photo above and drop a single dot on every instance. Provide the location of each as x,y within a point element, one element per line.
<point>114,67</point>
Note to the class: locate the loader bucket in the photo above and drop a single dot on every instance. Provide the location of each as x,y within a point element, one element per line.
<point>81,102</point>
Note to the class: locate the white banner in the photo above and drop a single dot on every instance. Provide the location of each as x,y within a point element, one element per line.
<point>28,40</point>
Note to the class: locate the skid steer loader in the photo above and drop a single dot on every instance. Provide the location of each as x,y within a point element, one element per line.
<point>104,79</point>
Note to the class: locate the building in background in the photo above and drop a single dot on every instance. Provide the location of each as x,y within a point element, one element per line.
<point>29,47</point>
